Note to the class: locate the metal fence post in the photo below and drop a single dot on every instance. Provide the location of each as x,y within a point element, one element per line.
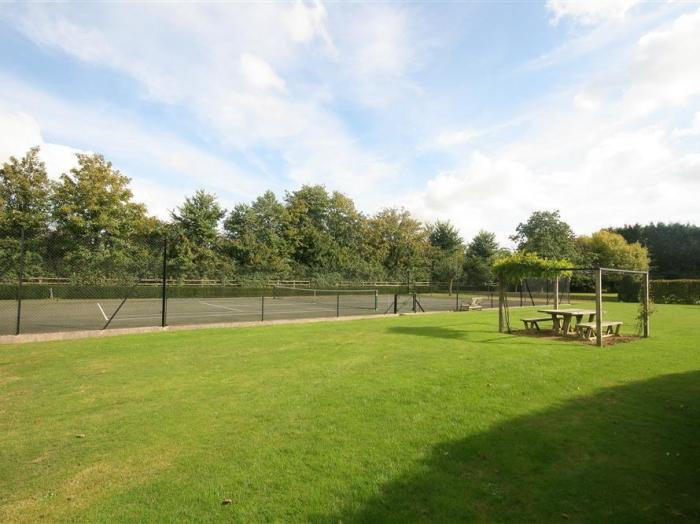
<point>396,303</point>
<point>337,305</point>
<point>164,293</point>
<point>20,277</point>
<point>414,302</point>
<point>262,308</point>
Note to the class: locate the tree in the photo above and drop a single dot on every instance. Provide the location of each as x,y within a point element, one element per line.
<point>400,242</point>
<point>445,237</point>
<point>25,191</point>
<point>24,195</point>
<point>674,248</point>
<point>607,249</point>
<point>197,251</point>
<point>256,235</point>
<point>479,257</point>
<point>447,252</point>
<point>547,235</point>
<point>99,230</point>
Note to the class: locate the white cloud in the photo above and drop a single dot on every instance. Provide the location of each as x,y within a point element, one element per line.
<point>20,132</point>
<point>665,71</point>
<point>589,12</point>
<point>259,74</point>
<point>454,138</point>
<point>609,158</point>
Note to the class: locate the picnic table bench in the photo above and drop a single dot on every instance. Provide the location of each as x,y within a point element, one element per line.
<point>473,305</point>
<point>609,328</point>
<point>562,318</point>
<point>533,323</point>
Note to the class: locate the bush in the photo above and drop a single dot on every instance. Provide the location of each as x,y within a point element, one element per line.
<point>683,291</point>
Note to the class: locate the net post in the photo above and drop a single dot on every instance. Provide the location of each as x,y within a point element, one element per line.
<point>646,305</point>
<point>337,305</point>
<point>20,279</point>
<point>262,307</point>
<point>599,308</point>
<point>164,291</point>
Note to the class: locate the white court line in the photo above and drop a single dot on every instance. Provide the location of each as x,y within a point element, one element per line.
<point>222,307</point>
<point>203,315</point>
<point>102,311</point>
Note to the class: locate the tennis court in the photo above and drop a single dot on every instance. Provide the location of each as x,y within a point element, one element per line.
<point>80,314</point>
<point>45,316</point>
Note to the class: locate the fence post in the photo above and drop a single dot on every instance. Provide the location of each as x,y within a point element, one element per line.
<point>262,308</point>
<point>556,293</point>
<point>337,305</point>
<point>164,293</point>
<point>414,302</point>
<point>457,301</point>
<point>20,277</point>
<point>396,303</point>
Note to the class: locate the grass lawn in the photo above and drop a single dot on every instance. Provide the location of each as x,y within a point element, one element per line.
<point>428,418</point>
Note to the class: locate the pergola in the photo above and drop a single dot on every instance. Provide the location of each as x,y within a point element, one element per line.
<point>514,268</point>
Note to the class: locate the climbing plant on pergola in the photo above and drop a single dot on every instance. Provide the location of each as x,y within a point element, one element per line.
<point>514,268</point>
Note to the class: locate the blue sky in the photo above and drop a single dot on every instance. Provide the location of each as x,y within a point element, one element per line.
<point>477,112</point>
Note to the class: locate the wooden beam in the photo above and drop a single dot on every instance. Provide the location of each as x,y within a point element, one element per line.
<point>501,306</point>
<point>599,308</point>
<point>646,304</point>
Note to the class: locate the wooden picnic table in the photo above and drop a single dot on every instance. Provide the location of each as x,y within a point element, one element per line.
<point>561,318</point>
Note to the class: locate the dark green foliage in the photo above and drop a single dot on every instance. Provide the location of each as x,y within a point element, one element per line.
<point>546,235</point>
<point>479,257</point>
<point>684,291</point>
<point>674,248</point>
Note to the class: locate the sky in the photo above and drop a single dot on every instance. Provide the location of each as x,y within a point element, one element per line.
<point>474,112</point>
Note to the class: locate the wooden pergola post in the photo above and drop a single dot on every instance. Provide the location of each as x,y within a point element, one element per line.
<point>599,308</point>
<point>501,307</point>
<point>646,305</point>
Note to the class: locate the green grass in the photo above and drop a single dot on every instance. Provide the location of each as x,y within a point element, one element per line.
<point>428,418</point>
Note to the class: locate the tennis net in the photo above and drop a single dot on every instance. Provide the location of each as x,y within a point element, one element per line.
<point>343,298</point>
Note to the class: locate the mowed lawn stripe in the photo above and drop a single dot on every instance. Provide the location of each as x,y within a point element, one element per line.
<point>415,418</point>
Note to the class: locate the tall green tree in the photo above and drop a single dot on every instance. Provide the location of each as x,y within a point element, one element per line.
<point>256,235</point>
<point>547,235</point>
<point>401,243</point>
<point>25,193</point>
<point>479,257</point>
<point>197,251</point>
<point>674,248</point>
<point>447,252</point>
<point>99,230</point>
<point>607,249</point>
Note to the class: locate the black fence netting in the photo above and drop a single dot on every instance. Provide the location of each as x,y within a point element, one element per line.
<point>148,281</point>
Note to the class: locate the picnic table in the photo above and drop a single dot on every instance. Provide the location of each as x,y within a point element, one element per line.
<point>561,318</point>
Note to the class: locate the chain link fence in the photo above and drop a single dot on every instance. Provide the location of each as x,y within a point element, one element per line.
<point>48,287</point>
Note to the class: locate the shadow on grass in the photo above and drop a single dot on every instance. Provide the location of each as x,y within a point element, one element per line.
<point>430,331</point>
<point>625,454</point>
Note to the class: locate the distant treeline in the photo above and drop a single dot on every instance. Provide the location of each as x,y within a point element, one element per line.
<point>87,227</point>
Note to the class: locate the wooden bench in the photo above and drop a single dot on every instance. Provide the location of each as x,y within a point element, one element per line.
<point>609,327</point>
<point>474,305</point>
<point>534,322</point>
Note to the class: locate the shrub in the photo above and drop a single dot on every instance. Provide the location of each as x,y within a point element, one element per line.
<point>682,291</point>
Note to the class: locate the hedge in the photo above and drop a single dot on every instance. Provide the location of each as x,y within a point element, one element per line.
<point>662,291</point>
<point>685,291</point>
